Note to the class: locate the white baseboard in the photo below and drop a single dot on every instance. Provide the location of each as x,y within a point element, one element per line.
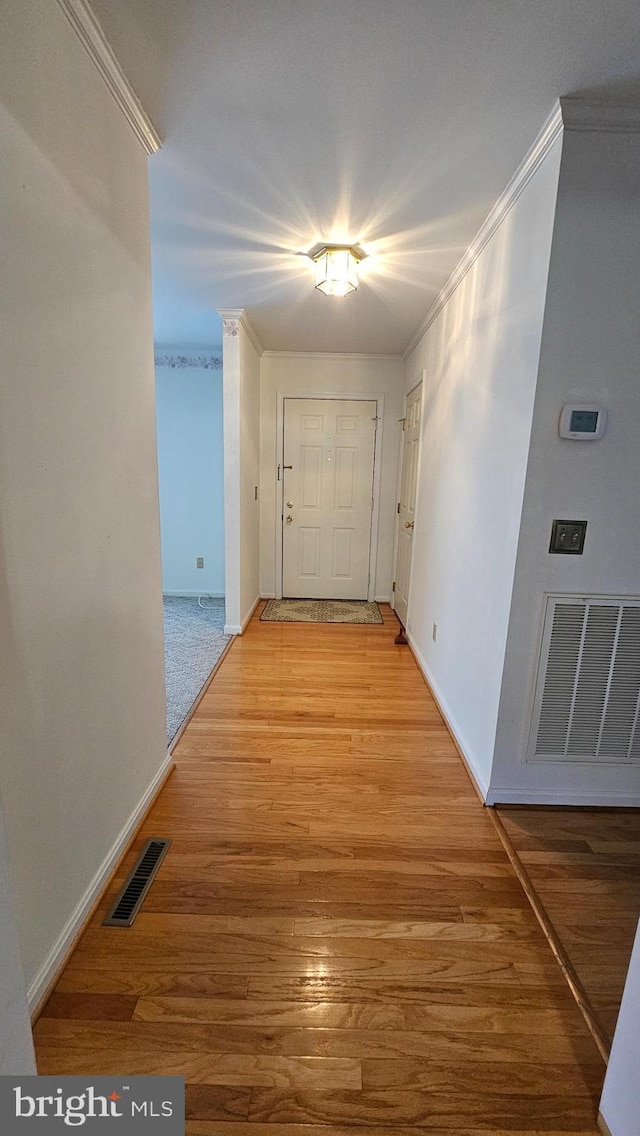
<point>240,628</point>
<point>470,762</point>
<point>64,943</point>
<point>272,596</point>
<point>577,797</point>
<point>202,592</point>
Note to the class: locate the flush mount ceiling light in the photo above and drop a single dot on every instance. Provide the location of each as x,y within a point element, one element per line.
<point>336,268</point>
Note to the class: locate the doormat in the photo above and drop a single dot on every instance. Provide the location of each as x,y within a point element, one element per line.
<point>321,611</point>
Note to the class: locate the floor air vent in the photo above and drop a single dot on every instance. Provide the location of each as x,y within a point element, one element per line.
<point>129,902</point>
<point>587,698</point>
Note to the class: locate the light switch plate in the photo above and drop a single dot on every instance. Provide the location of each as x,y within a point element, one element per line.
<point>567,537</point>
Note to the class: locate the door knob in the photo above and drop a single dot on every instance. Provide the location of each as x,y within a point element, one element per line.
<point>289,504</point>
<point>409,524</point>
<point>289,519</point>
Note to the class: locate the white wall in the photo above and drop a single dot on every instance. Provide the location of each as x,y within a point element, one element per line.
<point>82,693</point>
<point>590,350</point>
<point>480,359</point>
<point>231,447</point>
<point>308,375</point>
<point>191,472</point>
<point>620,1104</point>
<point>249,475</point>
<point>241,386</point>
<point>16,1046</point>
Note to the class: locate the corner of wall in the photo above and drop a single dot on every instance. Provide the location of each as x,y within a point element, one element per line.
<point>469,759</point>
<point>479,355</point>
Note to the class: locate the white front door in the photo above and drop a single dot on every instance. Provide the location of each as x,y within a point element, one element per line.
<point>407,509</point>
<point>327,497</point>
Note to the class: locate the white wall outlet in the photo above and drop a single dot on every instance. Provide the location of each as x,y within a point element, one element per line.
<point>434,632</point>
<point>199,561</point>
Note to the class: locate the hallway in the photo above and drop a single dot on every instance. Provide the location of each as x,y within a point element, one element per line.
<point>336,937</point>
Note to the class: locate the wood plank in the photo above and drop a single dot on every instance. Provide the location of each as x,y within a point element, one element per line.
<point>515,1079</point>
<point>443,969</point>
<point>558,1048</point>
<point>201,948</point>
<point>231,1069</point>
<point>444,1017</point>
<point>305,1015</point>
<point>216,1102</point>
<point>109,1007</point>
<point>414,929</point>
<point>129,981</point>
<point>420,988</point>
<point>425,1110</point>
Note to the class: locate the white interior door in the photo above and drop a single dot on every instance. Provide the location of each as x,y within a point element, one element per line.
<point>407,510</point>
<point>327,497</point>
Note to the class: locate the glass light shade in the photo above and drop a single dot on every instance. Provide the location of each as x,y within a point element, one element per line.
<point>336,270</point>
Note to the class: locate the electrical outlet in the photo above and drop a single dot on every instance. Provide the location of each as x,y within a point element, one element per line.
<point>199,561</point>
<point>434,632</point>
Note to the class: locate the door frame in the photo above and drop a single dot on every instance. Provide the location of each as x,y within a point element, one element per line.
<point>341,396</point>
<point>422,378</point>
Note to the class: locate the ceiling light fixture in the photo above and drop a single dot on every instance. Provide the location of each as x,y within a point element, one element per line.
<point>336,268</point>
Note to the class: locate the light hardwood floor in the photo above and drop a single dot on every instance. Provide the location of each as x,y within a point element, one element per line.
<point>585,867</point>
<point>336,941</point>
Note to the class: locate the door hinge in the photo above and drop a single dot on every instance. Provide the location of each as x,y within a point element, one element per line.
<point>393,586</point>
<point>404,423</point>
<point>398,509</point>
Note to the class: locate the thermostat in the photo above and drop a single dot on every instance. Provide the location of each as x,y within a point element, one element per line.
<point>584,423</point>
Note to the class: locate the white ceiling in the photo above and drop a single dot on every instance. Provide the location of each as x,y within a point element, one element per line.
<point>394,123</point>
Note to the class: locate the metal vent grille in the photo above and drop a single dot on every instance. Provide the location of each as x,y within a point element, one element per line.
<point>588,690</point>
<point>130,899</point>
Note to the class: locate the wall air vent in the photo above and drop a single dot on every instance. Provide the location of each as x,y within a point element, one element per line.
<point>129,901</point>
<point>587,700</point>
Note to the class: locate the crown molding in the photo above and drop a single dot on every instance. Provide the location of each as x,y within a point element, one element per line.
<point>525,171</point>
<point>92,38</point>
<point>568,114</point>
<point>586,114</point>
<point>232,319</point>
<point>344,355</point>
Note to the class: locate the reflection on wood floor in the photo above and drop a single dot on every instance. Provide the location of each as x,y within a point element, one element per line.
<point>337,937</point>
<point>585,867</point>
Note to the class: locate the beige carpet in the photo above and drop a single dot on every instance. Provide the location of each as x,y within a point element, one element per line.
<point>321,611</point>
